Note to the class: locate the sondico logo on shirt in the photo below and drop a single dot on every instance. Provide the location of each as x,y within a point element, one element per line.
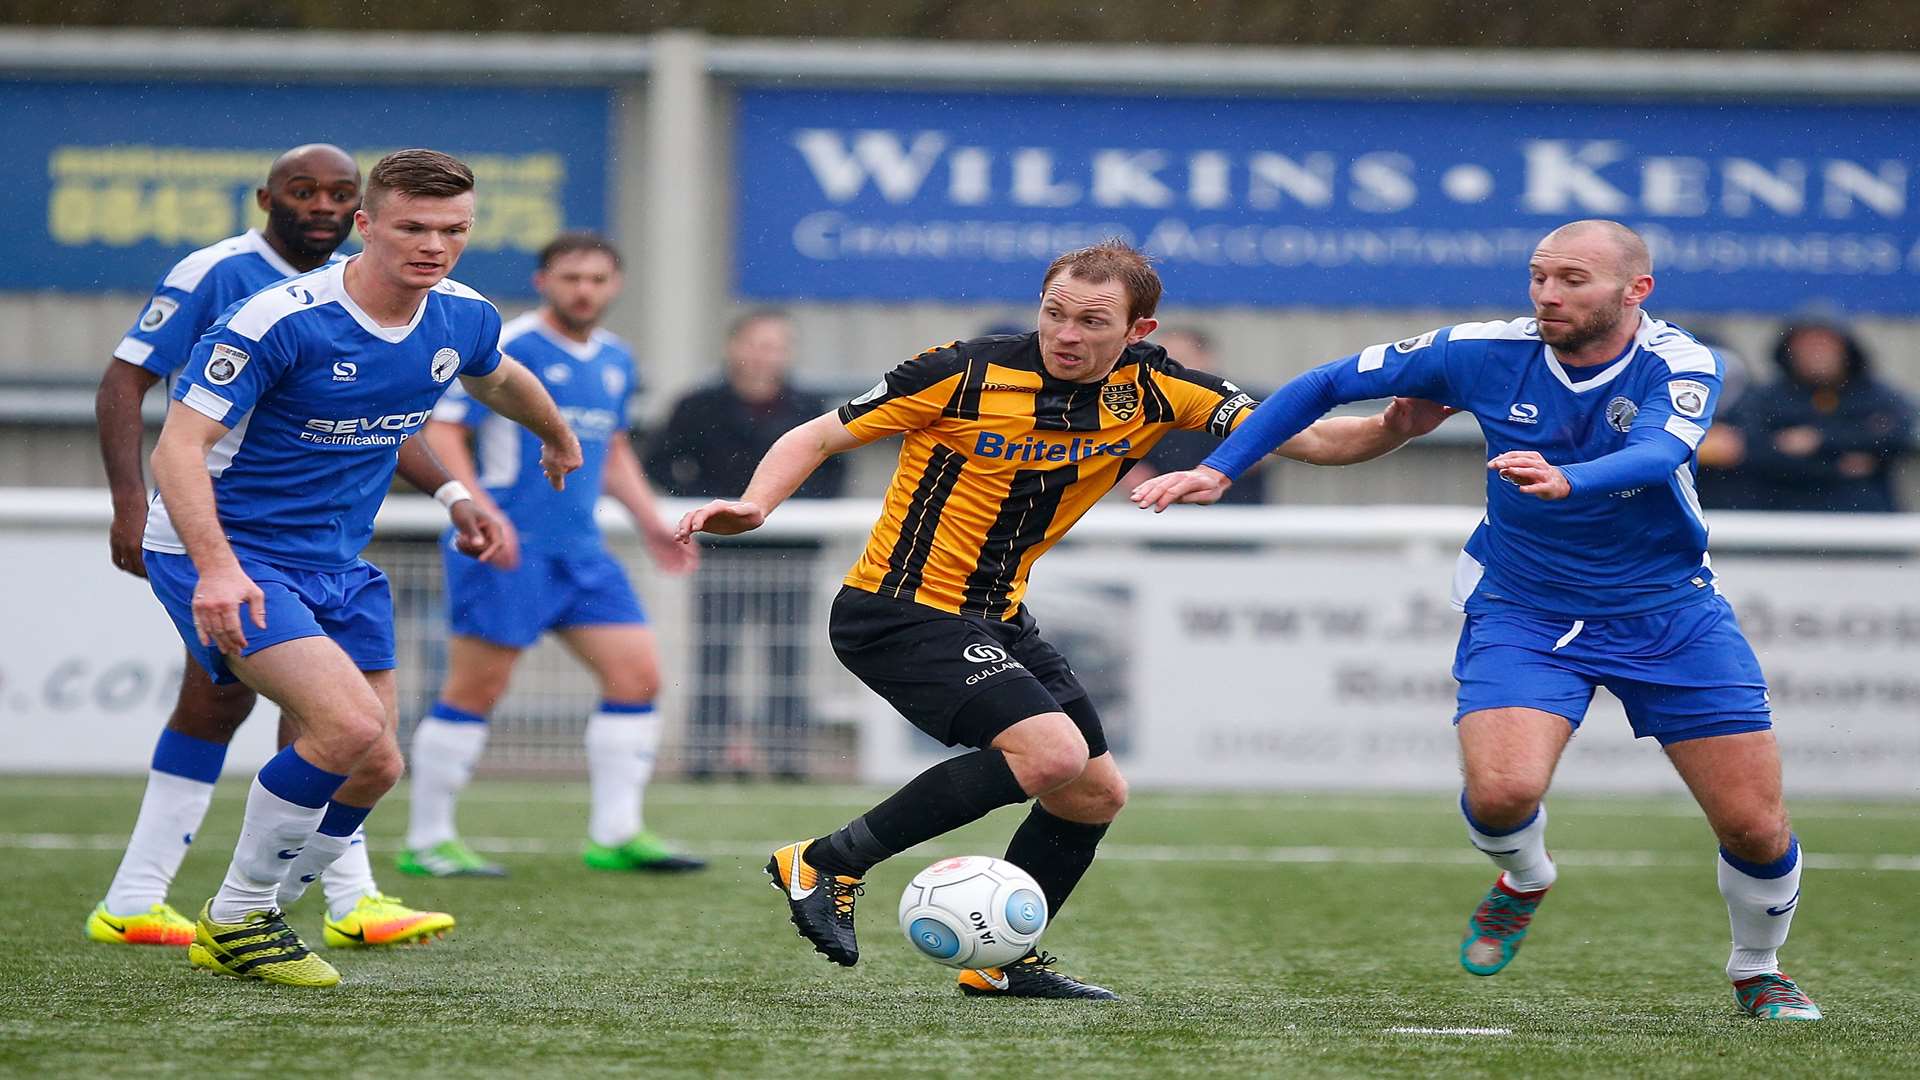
<point>993,656</point>
<point>1524,412</point>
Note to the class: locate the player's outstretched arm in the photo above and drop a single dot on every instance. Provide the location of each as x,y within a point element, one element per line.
<point>180,470</point>
<point>116,411</point>
<point>627,483</point>
<point>516,393</point>
<point>1349,440</point>
<point>788,463</point>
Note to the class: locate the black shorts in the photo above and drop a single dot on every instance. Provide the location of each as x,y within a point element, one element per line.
<point>960,678</point>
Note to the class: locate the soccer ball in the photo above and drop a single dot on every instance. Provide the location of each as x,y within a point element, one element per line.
<point>973,912</point>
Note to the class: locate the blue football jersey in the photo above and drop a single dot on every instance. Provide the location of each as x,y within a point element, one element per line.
<point>194,294</point>
<point>318,398</point>
<point>591,382</point>
<point>1599,553</point>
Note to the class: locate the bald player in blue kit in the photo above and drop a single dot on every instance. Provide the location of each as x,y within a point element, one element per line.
<point>275,456</point>
<point>1590,569</point>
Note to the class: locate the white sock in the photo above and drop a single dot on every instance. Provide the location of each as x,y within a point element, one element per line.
<point>1760,908</point>
<point>170,813</point>
<point>444,754</point>
<point>1522,853</point>
<point>620,747</point>
<point>349,878</point>
<point>322,851</point>
<point>274,834</point>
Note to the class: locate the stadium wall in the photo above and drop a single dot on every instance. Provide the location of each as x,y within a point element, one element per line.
<point>673,168</point>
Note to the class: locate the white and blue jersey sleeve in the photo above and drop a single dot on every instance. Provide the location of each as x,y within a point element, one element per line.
<point>590,382</point>
<point>318,398</point>
<point>1630,540</point>
<point>193,294</point>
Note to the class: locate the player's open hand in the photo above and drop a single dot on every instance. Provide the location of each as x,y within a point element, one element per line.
<point>1199,485</point>
<point>1414,417</point>
<point>721,517</point>
<point>559,459</point>
<point>489,538</point>
<point>217,601</point>
<point>669,554</point>
<point>1532,474</point>
<point>123,539</point>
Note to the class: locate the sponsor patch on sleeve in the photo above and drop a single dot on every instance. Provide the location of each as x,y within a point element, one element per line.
<point>159,310</point>
<point>1413,343</point>
<point>1689,397</point>
<point>225,364</point>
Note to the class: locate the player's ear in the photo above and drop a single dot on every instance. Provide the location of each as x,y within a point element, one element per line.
<point>1140,329</point>
<point>1639,289</point>
<point>262,198</point>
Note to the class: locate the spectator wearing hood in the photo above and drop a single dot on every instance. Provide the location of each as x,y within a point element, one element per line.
<point>1823,436</point>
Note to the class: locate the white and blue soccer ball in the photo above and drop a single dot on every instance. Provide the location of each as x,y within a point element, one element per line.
<point>973,912</point>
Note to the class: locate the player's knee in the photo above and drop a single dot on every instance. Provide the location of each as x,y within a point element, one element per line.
<point>640,683</point>
<point>1759,837</point>
<point>1054,764</point>
<point>382,768</point>
<point>1503,803</point>
<point>214,713</point>
<point>1106,798</point>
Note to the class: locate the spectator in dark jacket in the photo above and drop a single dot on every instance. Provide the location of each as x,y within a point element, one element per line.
<point>708,448</point>
<point>1825,435</point>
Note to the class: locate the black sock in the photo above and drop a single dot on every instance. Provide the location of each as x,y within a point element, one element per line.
<point>955,792</point>
<point>1056,852</point>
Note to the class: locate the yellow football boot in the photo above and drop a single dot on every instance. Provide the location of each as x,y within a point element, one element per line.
<point>379,919</point>
<point>158,925</point>
<point>260,946</point>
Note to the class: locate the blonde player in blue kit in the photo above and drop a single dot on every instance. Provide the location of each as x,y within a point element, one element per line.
<point>1590,569</point>
<point>276,453</point>
<point>567,582</point>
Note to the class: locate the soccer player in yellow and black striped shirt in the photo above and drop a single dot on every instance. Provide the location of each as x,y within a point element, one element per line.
<point>1007,442</point>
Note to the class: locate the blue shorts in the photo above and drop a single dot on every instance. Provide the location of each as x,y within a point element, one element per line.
<point>353,607</point>
<point>547,591</point>
<point>1682,674</point>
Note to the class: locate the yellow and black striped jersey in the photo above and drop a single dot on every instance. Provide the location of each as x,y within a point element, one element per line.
<point>1001,458</point>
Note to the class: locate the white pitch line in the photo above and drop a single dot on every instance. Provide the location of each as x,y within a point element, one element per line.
<point>1448,1031</point>
<point>1149,853</point>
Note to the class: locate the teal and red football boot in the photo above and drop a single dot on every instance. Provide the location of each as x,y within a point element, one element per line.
<point>1497,927</point>
<point>1773,996</point>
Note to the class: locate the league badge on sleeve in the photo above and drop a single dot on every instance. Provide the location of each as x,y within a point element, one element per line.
<point>445,363</point>
<point>1689,398</point>
<point>158,312</point>
<point>226,364</point>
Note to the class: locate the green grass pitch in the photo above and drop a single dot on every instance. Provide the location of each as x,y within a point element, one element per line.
<point>1250,935</point>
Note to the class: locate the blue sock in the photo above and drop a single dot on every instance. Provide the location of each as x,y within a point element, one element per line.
<point>184,755</point>
<point>298,780</point>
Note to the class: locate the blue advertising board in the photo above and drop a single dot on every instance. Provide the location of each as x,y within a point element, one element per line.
<point>1276,202</point>
<point>115,181</point>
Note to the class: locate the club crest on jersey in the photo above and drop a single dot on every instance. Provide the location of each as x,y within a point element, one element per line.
<point>158,312</point>
<point>1689,398</point>
<point>1620,413</point>
<point>613,380</point>
<point>226,364</point>
<point>445,363</point>
<point>1121,399</point>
